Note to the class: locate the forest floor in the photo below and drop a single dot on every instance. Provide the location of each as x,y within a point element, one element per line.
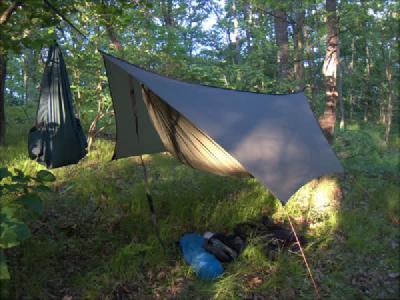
<point>95,239</point>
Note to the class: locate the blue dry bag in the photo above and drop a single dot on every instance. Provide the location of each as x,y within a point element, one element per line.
<point>206,265</point>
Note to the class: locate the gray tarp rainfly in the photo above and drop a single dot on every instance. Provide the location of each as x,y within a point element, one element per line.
<point>57,139</point>
<point>275,138</point>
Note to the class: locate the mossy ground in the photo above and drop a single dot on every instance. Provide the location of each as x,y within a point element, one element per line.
<point>95,239</point>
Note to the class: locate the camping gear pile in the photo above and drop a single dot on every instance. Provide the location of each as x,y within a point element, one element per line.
<point>207,253</point>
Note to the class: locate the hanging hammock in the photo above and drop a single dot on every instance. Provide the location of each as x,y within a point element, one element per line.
<point>57,139</point>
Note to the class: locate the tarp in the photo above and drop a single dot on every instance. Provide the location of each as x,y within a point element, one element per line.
<point>57,139</point>
<point>275,138</point>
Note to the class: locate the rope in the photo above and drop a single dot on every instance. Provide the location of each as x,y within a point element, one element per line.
<point>52,7</point>
<point>146,180</point>
<point>317,294</point>
<point>151,204</point>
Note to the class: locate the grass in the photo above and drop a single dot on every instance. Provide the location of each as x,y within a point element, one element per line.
<point>95,239</point>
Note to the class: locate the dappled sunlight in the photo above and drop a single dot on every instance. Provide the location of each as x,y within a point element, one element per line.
<point>326,194</point>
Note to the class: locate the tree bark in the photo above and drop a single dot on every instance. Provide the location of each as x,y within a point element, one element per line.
<point>282,41</point>
<point>332,60</point>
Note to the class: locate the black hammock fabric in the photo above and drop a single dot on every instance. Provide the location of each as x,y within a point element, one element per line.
<point>275,138</point>
<point>57,139</point>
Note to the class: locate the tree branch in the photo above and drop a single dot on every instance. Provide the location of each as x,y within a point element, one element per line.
<point>5,16</point>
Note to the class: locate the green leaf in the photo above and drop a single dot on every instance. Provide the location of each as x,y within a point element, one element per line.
<point>4,274</point>
<point>20,177</point>
<point>31,201</point>
<point>13,232</point>
<point>45,176</point>
<point>4,173</point>
<point>41,188</point>
<point>7,212</point>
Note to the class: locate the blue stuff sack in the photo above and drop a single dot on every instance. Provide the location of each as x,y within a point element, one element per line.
<point>205,265</point>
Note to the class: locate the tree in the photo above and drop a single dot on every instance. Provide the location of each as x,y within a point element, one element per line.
<point>5,16</point>
<point>282,41</point>
<point>330,69</point>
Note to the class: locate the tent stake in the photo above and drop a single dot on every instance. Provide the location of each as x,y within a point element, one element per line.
<point>318,297</point>
<point>150,203</point>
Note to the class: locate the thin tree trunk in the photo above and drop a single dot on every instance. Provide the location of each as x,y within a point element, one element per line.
<point>340,94</point>
<point>389,107</point>
<point>299,48</point>
<point>26,76</point>
<point>311,67</point>
<point>368,80</point>
<point>389,110</point>
<point>368,62</point>
<point>236,32</point>
<point>3,72</point>
<point>282,41</point>
<point>249,25</point>
<point>351,69</point>
<point>332,60</point>
<point>78,96</point>
<point>4,17</point>
<point>110,29</point>
<point>167,12</point>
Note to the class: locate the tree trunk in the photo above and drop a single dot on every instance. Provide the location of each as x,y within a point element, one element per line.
<point>351,69</point>
<point>4,17</point>
<point>3,72</point>
<point>310,56</point>
<point>367,93</point>
<point>368,80</point>
<point>389,108</point>
<point>249,25</point>
<point>26,76</point>
<point>299,48</point>
<point>332,60</point>
<point>340,95</point>
<point>167,12</point>
<point>110,28</point>
<point>236,32</point>
<point>282,41</point>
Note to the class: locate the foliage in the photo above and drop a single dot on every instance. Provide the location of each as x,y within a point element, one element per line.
<point>19,194</point>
